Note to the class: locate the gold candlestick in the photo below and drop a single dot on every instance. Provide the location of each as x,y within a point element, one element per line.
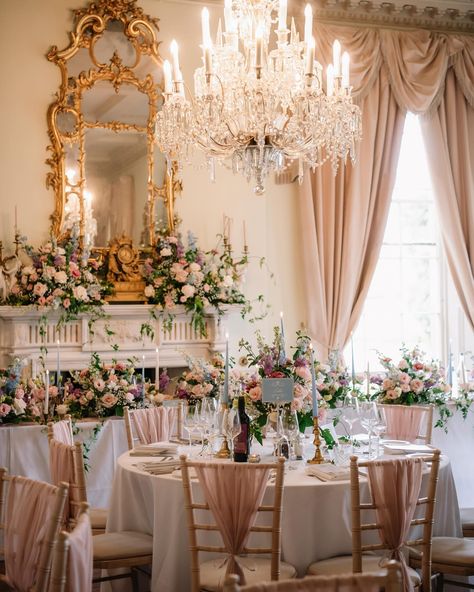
<point>318,458</point>
<point>224,451</point>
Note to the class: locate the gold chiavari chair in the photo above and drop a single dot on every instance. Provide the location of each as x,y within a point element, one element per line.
<point>389,582</point>
<point>166,422</point>
<point>24,508</point>
<point>363,558</point>
<point>70,458</point>
<point>238,480</point>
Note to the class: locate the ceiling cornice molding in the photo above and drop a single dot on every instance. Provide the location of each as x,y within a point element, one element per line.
<point>453,16</point>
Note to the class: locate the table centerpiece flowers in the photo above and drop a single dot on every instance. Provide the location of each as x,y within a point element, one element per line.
<point>179,274</point>
<point>271,361</point>
<point>201,379</point>
<point>413,380</point>
<point>104,390</point>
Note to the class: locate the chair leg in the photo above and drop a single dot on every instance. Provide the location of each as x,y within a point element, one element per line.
<point>440,583</point>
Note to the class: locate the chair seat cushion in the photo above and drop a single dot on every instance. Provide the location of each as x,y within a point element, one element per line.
<point>467,518</point>
<point>98,518</point>
<point>120,545</point>
<point>255,569</point>
<point>343,564</point>
<point>453,551</point>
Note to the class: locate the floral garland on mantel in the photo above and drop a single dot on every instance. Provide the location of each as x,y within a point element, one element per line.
<point>184,274</point>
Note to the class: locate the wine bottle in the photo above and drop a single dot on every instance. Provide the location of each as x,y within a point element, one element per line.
<point>242,441</point>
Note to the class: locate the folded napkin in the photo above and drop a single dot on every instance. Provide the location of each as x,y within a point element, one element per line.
<point>328,472</point>
<point>155,449</point>
<point>408,448</point>
<point>159,467</point>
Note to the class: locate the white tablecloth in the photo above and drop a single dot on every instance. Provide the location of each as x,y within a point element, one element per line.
<point>316,520</point>
<point>24,451</point>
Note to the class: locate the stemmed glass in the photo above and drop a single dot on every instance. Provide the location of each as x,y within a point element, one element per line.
<point>290,426</point>
<point>369,419</point>
<point>231,427</point>
<point>209,423</point>
<point>350,414</point>
<point>191,421</point>
<point>379,427</point>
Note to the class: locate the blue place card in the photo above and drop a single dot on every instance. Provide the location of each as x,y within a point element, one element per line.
<point>277,390</point>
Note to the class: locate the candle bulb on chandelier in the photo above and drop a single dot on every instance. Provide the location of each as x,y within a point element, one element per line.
<point>258,49</point>
<point>229,17</point>
<point>330,80</point>
<point>175,54</point>
<point>308,23</point>
<point>336,57</point>
<point>310,56</point>
<point>208,59</point>
<point>167,77</point>
<point>206,34</point>
<point>282,10</point>
<point>346,60</point>
<point>219,34</point>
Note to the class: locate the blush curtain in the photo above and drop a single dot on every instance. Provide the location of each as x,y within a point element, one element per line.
<point>343,218</point>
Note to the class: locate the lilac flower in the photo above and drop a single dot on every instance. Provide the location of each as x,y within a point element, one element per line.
<point>267,364</point>
<point>164,381</point>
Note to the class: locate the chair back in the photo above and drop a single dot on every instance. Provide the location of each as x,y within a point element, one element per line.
<point>360,582</point>
<point>30,518</point>
<point>395,486</point>
<point>67,465</point>
<point>61,431</point>
<point>73,558</point>
<point>154,424</point>
<point>409,422</point>
<point>233,494</point>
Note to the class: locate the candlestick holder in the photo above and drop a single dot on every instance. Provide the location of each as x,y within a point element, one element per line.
<point>318,458</point>
<point>224,451</point>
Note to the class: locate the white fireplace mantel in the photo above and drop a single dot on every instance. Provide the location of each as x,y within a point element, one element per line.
<point>20,337</point>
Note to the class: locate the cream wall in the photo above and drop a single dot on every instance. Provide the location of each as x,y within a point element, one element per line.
<point>30,82</point>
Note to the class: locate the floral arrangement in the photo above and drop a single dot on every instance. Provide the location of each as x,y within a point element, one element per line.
<point>465,397</point>
<point>271,361</point>
<point>21,400</point>
<point>202,379</point>
<point>176,274</point>
<point>102,390</point>
<point>58,277</point>
<point>333,381</point>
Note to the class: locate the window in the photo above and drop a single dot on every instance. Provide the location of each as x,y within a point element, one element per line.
<point>404,299</point>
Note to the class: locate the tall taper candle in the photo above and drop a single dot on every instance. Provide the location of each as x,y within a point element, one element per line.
<point>462,369</point>
<point>143,375</point>
<point>58,363</point>
<point>314,390</point>
<point>46,394</point>
<point>368,380</point>
<point>450,364</point>
<point>282,344</point>
<point>157,370</point>
<point>352,362</point>
<point>225,394</point>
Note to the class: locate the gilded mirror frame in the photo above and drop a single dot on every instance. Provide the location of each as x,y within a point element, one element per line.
<point>89,25</point>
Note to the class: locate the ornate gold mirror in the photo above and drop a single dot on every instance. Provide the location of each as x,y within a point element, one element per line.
<point>108,176</point>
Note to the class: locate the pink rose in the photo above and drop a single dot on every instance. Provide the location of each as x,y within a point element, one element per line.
<point>19,393</point>
<point>418,366</point>
<point>4,409</point>
<point>416,385</point>
<point>40,289</point>
<point>255,393</point>
<point>109,400</point>
<point>387,384</point>
<point>403,364</point>
<point>404,378</point>
<point>66,303</point>
<point>303,372</point>
<point>392,394</point>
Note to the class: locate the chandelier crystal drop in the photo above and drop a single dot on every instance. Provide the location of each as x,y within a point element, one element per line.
<point>259,100</point>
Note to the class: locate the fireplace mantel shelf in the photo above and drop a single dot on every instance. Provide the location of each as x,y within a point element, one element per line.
<point>20,336</point>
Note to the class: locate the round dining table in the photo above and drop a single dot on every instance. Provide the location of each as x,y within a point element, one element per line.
<point>316,516</point>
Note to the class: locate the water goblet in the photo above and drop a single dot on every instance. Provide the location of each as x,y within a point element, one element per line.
<point>231,427</point>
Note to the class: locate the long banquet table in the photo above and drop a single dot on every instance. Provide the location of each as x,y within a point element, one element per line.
<point>315,519</point>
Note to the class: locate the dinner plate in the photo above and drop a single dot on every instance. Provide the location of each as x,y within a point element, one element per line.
<point>394,442</point>
<point>408,448</point>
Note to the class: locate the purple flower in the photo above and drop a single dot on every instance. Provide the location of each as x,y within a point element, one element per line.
<point>267,364</point>
<point>300,362</point>
<point>164,381</point>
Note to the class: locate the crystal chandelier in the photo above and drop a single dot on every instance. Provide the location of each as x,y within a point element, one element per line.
<point>257,105</point>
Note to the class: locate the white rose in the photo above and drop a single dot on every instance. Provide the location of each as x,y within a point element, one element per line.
<point>61,409</point>
<point>60,277</point>
<point>149,291</point>
<point>188,290</point>
<point>228,281</point>
<point>19,406</point>
<point>80,293</point>
<point>194,267</point>
<point>165,252</point>
<point>28,270</point>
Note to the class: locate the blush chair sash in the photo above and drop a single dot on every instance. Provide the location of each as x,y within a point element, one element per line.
<point>61,462</point>
<point>234,495</point>
<point>62,432</point>
<point>395,486</point>
<point>29,509</point>
<point>80,563</point>
<point>404,422</point>
<point>152,425</point>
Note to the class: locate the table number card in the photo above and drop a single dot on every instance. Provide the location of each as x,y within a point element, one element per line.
<point>277,390</point>
<point>171,402</point>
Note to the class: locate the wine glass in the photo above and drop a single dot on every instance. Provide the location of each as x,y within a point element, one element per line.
<point>191,421</point>
<point>209,423</point>
<point>350,414</point>
<point>369,419</point>
<point>380,427</point>
<point>231,427</point>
